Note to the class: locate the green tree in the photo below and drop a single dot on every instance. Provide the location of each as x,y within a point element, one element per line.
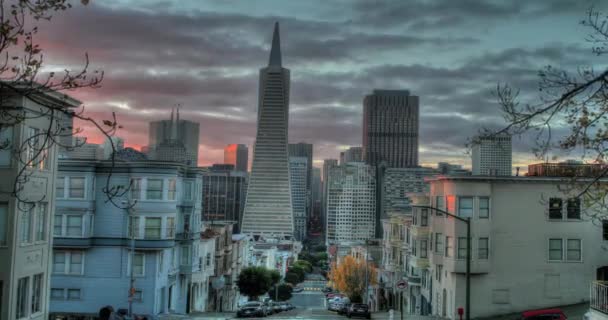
<point>292,277</point>
<point>299,271</point>
<point>254,282</point>
<point>275,277</point>
<point>306,265</point>
<point>283,293</point>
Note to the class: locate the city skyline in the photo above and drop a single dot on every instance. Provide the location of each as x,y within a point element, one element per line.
<point>453,73</point>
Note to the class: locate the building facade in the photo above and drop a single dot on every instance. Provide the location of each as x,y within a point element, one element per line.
<point>92,256</point>
<point>174,140</point>
<point>26,219</point>
<point>327,165</point>
<point>390,128</point>
<point>222,295</point>
<point>352,154</point>
<point>268,209</point>
<point>491,156</point>
<point>305,150</point>
<point>351,203</point>
<point>224,193</point>
<point>237,155</point>
<point>396,183</point>
<point>298,167</point>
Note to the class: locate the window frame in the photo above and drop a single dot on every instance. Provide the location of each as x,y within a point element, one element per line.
<point>460,208</point>
<point>161,189</point>
<point>41,212</point>
<point>486,209</point>
<point>462,245</point>
<point>70,188</point>
<point>561,249</point>
<point>73,289</point>
<point>449,247</point>
<point>567,250</point>
<point>556,208</point>
<point>424,249</point>
<point>136,188</point>
<point>172,189</point>
<point>7,134</point>
<point>439,243</point>
<point>3,224</point>
<point>22,305</point>
<point>577,210</point>
<point>424,217</point>
<point>480,249</point>
<point>143,264</point>
<point>67,262</point>
<point>37,293</point>
<point>157,229</point>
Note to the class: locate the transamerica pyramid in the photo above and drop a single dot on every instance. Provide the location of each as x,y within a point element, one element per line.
<point>268,211</point>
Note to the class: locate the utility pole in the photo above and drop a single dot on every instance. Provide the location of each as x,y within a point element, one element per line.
<point>129,208</point>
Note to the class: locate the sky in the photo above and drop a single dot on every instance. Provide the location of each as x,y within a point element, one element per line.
<point>205,56</point>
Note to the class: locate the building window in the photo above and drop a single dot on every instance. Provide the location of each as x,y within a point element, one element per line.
<point>188,190</point>
<point>438,243</point>
<point>170,227</point>
<point>484,207</point>
<point>573,208</point>
<point>57,294</point>
<point>6,145</point>
<point>555,249</point>
<point>135,188</point>
<point>138,264</point>
<point>57,225</point>
<point>134,227</point>
<point>155,189</point>
<point>483,248</point>
<point>555,208</point>
<point>424,217</point>
<point>605,229</point>
<point>448,246</point>
<point>37,293</point>
<point>40,234</point>
<point>76,188</point>
<point>161,261</point>
<point>208,260</point>
<point>60,188</point>
<point>186,257</point>
<point>152,228</point>
<point>3,222</point>
<point>172,189</point>
<point>36,155</point>
<point>438,272</point>
<point>22,295</point>
<point>25,226</point>
<point>462,247</point>
<point>423,249</point>
<point>465,207</point>
<point>74,226</point>
<point>439,204</point>
<point>68,262</point>
<point>74,294</point>
<point>573,252</point>
<point>76,263</point>
<point>137,296</point>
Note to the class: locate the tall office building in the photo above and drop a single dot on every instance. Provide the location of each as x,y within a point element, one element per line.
<point>268,209</point>
<point>224,191</point>
<point>237,155</point>
<point>327,164</point>
<point>397,183</point>
<point>174,140</point>
<point>390,128</point>
<point>352,154</point>
<point>298,170</point>
<point>351,203</point>
<point>492,156</point>
<point>302,149</point>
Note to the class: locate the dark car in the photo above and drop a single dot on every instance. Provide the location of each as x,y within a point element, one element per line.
<point>358,310</point>
<point>344,308</point>
<point>544,314</point>
<point>326,290</point>
<point>252,309</point>
<point>276,307</point>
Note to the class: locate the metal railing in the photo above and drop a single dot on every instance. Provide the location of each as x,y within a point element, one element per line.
<point>599,296</point>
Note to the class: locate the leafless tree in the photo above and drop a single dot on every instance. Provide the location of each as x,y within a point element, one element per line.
<point>22,74</point>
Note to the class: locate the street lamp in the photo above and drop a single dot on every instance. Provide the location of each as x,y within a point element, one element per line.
<point>467,221</point>
<point>128,205</point>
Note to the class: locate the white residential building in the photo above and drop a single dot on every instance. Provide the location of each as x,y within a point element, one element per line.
<point>491,156</point>
<point>531,246</point>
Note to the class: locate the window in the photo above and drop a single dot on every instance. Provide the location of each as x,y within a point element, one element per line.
<point>68,262</point>
<point>74,226</point>
<point>188,190</point>
<point>73,294</point>
<point>438,243</point>
<point>462,247</point>
<point>59,262</point>
<point>40,233</point>
<point>573,252</point>
<point>37,293</point>
<point>172,189</point>
<point>555,208</point>
<point>22,295</point>
<point>76,188</point>
<point>605,229</point>
<point>6,140</point>
<point>465,207</point>
<point>484,207</point>
<point>57,294</point>
<point>555,249</point>
<point>483,248</point>
<point>414,249</point>
<point>155,189</point>
<point>137,296</point>
<point>186,260</point>
<point>25,226</point>
<point>573,208</point>
<point>208,260</point>
<point>75,263</point>
<point>423,249</point>
<point>152,228</point>
<point>438,272</point>
<point>60,188</point>
<point>135,188</point>
<point>186,223</point>
<point>134,227</point>
<point>35,154</point>
<point>138,264</point>
<point>448,246</point>
<point>170,227</point>
<point>439,204</point>
<point>424,217</point>
<point>161,256</point>
<point>3,222</point>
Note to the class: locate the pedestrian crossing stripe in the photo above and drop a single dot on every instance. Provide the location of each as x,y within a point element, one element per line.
<point>312,289</point>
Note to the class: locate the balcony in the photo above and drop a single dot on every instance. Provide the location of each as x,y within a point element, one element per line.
<point>599,298</point>
<point>187,236</point>
<point>414,280</point>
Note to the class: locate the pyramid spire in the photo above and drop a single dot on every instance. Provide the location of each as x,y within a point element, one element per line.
<point>275,50</point>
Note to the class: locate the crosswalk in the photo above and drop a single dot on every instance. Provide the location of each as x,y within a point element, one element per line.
<point>312,289</point>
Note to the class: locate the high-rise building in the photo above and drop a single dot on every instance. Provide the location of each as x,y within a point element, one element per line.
<point>352,154</point>
<point>390,128</point>
<point>224,191</point>
<point>451,169</point>
<point>26,219</point>
<point>351,203</point>
<point>491,156</point>
<point>327,164</point>
<point>316,184</point>
<point>268,209</point>
<point>298,170</point>
<point>237,155</point>
<point>174,140</point>
<point>302,149</point>
<point>397,183</point>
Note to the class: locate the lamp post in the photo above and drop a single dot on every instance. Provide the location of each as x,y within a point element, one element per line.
<point>129,208</point>
<point>467,221</point>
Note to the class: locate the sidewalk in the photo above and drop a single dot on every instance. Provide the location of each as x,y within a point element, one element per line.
<point>200,315</point>
<point>397,316</point>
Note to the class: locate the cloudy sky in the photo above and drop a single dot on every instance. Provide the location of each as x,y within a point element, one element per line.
<point>205,56</point>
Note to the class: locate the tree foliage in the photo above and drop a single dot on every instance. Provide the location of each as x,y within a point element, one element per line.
<point>283,292</point>
<point>305,265</point>
<point>349,277</point>
<point>292,277</point>
<point>254,281</point>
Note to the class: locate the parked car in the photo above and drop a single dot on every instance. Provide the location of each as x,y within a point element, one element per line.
<point>297,289</point>
<point>344,309</point>
<point>335,306</point>
<point>268,304</point>
<point>286,306</point>
<point>358,310</point>
<point>544,314</point>
<point>276,307</point>
<point>252,309</point>
<point>327,290</point>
